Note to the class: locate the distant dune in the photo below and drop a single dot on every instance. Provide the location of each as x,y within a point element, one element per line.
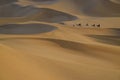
<point>93,8</point>
<point>98,8</point>
<point>49,15</point>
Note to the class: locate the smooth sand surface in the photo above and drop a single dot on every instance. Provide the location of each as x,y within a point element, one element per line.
<point>39,41</point>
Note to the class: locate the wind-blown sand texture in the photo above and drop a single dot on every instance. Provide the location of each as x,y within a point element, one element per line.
<point>41,40</point>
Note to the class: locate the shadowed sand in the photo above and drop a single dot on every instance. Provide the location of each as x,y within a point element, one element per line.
<point>41,1</point>
<point>109,36</point>
<point>94,8</point>
<point>30,13</point>
<point>3,2</point>
<point>99,8</point>
<point>25,28</point>
<point>112,40</point>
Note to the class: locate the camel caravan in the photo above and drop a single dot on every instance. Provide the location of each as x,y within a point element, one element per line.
<point>85,25</point>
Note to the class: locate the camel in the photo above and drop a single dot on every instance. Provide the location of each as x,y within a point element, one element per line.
<point>98,25</point>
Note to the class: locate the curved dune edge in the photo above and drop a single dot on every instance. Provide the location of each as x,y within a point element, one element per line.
<point>30,13</point>
<point>26,29</point>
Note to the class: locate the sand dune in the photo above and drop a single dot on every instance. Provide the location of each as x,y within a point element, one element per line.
<point>104,35</point>
<point>112,40</point>
<point>40,40</point>
<point>49,15</point>
<point>99,31</point>
<point>65,58</point>
<point>100,8</point>
<point>58,59</point>
<point>25,28</point>
<point>94,8</point>
<point>34,14</point>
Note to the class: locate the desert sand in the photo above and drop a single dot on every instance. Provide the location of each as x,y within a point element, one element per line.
<point>41,40</point>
